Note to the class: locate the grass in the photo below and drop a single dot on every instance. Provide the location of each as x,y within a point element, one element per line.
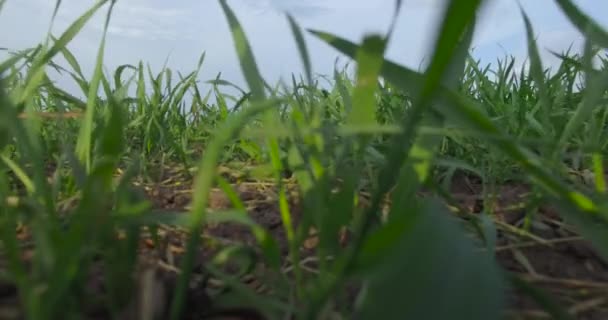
<point>74,171</point>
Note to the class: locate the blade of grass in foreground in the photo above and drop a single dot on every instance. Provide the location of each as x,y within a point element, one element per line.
<point>584,23</point>
<point>369,63</point>
<point>246,59</point>
<point>83,145</point>
<point>10,62</point>
<point>596,85</point>
<point>598,170</point>
<point>340,207</point>
<point>202,186</point>
<point>391,28</point>
<point>256,84</point>
<point>411,281</point>
<point>469,113</point>
<point>426,146</point>
<point>456,20</point>
<point>52,22</point>
<point>36,72</point>
<point>458,16</point>
<point>536,70</point>
<point>302,49</point>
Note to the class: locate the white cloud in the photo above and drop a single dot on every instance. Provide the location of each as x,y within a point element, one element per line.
<point>307,10</point>
<point>151,30</point>
<point>132,19</point>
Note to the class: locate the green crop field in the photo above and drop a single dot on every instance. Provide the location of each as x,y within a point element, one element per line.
<point>463,191</point>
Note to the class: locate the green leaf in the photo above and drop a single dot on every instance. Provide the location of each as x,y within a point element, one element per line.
<point>69,57</point>
<point>304,55</point>
<point>598,171</point>
<point>412,281</point>
<point>36,72</point>
<point>459,15</point>
<point>269,246</point>
<point>369,63</point>
<point>118,74</point>
<point>471,115</point>
<point>202,187</point>
<point>596,85</point>
<point>584,23</point>
<point>246,59</point>
<point>394,19</point>
<point>343,90</point>
<point>21,175</point>
<point>83,145</point>
<point>10,62</point>
<point>536,70</point>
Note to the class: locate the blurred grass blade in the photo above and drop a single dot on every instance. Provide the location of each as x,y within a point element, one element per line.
<point>23,177</point>
<point>369,63</point>
<point>457,18</point>
<point>245,54</point>
<point>83,145</point>
<point>596,86</point>
<point>302,49</point>
<point>344,91</point>
<point>584,23</point>
<point>118,74</point>
<point>598,171</point>
<point>394,19</point>
<point>69,57</point>
<point>536,70</point>
<point>202,186</point>
<point>409,280</point>
<point>36,73</point>
<point>10,62</point>
<point>467,112</point>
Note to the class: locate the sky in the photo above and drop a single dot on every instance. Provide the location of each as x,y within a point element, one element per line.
<point>177,32</point>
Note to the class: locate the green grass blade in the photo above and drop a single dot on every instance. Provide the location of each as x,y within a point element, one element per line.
<point>457,18</point>
<point>245,54</point>
<point>344,91</point>
<point>470,114</point>
<point>118,74</point>
<point>536,70</point>
<point>202,186</point>
<point>598,171</point>
<point>584,23</point>
<point>596,85</point>
<point>84,143</point>
<point>394,19</point>
<point>408,281</point>
<point>36,73</point>
<point>23,177</point>
<point>302,49</point>
<point>69,57</point>
<point>10,62</point>
<point>369,63</point>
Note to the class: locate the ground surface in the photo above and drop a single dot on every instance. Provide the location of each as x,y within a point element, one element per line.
<point>551,256</point>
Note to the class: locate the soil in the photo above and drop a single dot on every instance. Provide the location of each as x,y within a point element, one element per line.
<point>551,257</point>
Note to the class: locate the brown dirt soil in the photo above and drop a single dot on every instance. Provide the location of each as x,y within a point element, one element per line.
<point>551,256</point>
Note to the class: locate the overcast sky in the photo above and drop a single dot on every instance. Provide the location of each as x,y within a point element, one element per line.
<point>154,30</point>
